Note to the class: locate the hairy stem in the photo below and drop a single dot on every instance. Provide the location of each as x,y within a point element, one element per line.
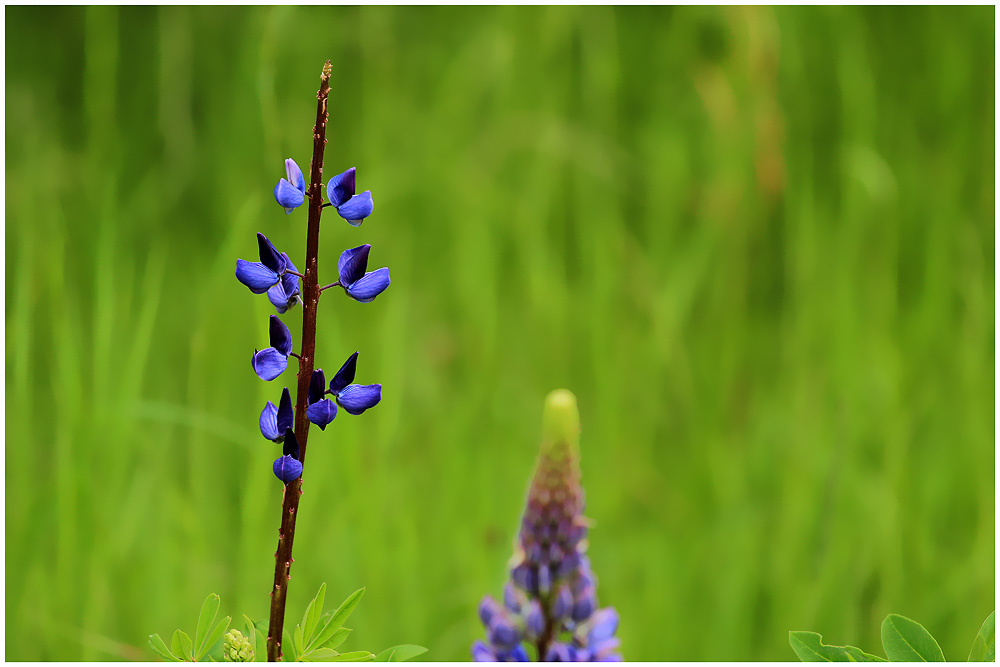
<point>310,300</point>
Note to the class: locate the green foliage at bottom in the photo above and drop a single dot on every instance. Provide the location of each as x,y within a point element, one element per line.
<point>903,639</point>
<point>315,639</point>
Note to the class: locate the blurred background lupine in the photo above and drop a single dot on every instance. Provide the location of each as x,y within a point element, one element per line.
<point>757,243</point>
<point>549,611</point>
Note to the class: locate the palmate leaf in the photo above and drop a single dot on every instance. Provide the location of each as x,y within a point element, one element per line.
<point>400,653</point>
<point>329,626</point>
<point>181,645</point>
<point>809,647</point>
<point>905,640</point>
<point>314,611</point>
<point>984,647</point>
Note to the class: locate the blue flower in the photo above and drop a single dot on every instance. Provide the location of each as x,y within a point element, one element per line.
<point>351,207</point>
<point>321,411</point>
<point>271,362</point>
<point>361,286</point>
<point>355,398</point>
<point>263,275</point>
<point>287,467</point>
<point>274,421</point>
<point>291,192</point>
<point>285,293</point>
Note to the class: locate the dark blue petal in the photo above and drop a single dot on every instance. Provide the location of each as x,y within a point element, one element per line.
<point>287,469</point>
<point>345,375</point>
<point>281,337</point>
<point>341,187</point>
<point>269,363</point>
<point>289,196</point>
<point>534,621</point>
<point>512,599</point>
<point>286,414</point>
<point>322,412</point>
<point>295,175</point>
<point>481,653</point>
<point>544,579</point>
<point>255,275</point>
<point>369,287</point>
<point>604,625</point>
<point>291,445</point>
<point>352,264</point>
<point>563,603</point>
<point>502,633</point>
<point>518,655</point>
<point>290,281</point>
<point>317,386</point>
<point>357,208</point>
<point>269,421</point>
<point>584,605</point>
<point>356,398</point>
<point>525,577</point>
<point>488,608</point>
<point>269,255</point>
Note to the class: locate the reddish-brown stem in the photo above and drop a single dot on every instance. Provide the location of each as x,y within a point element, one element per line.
<point>310,300</point>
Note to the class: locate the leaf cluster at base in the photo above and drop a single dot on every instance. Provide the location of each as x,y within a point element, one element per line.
<point>903,640</point>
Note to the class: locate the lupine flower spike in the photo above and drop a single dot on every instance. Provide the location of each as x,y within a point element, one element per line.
<point>358,284</point>
<point>276,275</point>
<point>272,361</point>
<point>351,207</point>
<point>291,192</point>
<point>550,605</point>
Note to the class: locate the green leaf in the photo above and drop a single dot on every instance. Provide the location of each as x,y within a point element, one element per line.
<point>320,655</point>
<point>984,647</point>
<point>260,648</point>
<point>905,640</point>
<point>288,646</point>
<point>337,638</point>
<point>209,610</point>
<point>216,634</point>
<point>297,638</point>
<point>338,618</point>
<point>355,656</point>
<point>401,653</point>
<point>251,633</point>
<point>310,619</point>
<point>181,645</point>
<point>161,649</point>
<point>809,647</point>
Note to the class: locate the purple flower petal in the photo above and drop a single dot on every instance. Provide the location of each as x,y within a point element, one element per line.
<point>357,398</point>
<point>357,208</point>
<point>369,287</point>
<point>604,625</point>
<point>255,275</point>
<point>345,375</point>
<point>563,603</point>
<point>518,655</point>
<point>291,444</point>
<point>295,175</point>
<point>488,608</point>
<point>534,621</point>
<point>322,412</point>
<point>512,599</point>
<point>341,187</point>
<point>502,633</point>
<point>288,196</point>
<point>287,469</point>
<point>286,414</point>
<point>317,386</point>
<point>269,255</point>
<point>559,652</point>
<point>281,337</point>
<point>269,421</point>
<point>352,265</point>
<point>269,363</point>
<point>482,653</point>
<point>278,297</point>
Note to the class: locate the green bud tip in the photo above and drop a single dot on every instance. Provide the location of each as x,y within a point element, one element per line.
<point>560,424</point>
<point>236,647</point>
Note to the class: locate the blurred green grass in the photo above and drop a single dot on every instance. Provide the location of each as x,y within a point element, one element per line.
<point>757,244</point>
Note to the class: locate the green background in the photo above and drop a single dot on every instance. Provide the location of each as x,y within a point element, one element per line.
<point>758,244</point>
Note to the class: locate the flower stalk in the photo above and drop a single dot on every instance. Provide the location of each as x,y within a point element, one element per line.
<point>310,302</point>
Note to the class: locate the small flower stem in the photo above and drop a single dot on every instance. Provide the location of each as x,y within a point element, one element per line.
<point>310,300</point>
<point>336,284</point>
<point>294,273</point>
